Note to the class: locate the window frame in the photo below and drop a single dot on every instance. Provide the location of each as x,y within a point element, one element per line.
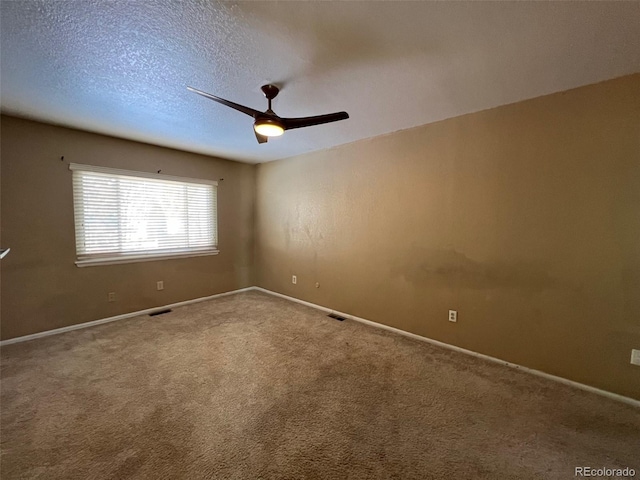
<point>134,257</point>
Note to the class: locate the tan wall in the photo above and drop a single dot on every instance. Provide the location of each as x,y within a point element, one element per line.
<point>42,288</point>
<point>524,218</point>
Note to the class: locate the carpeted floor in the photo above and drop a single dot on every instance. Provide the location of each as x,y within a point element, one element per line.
<point>252,386</point>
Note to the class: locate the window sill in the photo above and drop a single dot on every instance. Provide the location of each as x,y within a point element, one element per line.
<point>94,262</point>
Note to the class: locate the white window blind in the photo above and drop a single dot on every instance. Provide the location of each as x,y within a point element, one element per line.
<point>125,216</point>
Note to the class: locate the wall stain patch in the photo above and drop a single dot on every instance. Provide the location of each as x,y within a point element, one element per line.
<point>447,267</point>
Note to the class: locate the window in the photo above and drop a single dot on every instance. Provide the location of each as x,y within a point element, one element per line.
<point>124,216</point>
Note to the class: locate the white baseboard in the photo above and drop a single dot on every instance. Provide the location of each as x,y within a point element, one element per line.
<point>93,323</point>
<point>581,386</point>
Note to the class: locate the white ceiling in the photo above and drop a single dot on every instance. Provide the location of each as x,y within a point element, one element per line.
<point>121,67</point>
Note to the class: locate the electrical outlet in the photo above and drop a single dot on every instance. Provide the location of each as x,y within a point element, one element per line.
<point>111,296</point>
<point>294,279</point>
<point>635,357</point>
<point>317,284</point>
<point>453,315</point>
<point>160,285</point>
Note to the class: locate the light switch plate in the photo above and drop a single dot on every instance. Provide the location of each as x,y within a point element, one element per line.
<point>635,357</point>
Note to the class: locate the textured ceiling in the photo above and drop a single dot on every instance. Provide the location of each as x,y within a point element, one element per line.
<point>121,67</point>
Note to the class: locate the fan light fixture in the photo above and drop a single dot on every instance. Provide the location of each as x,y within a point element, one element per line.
<point>268,124</point>
<point>268,127</point>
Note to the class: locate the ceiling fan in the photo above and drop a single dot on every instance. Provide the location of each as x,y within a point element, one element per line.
<point>268,124</point>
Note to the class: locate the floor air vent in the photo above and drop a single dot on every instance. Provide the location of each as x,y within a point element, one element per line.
<point>336,316</point>
<point>159,312</point>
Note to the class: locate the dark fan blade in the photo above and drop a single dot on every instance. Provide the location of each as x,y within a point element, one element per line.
<point>241,108</point>
<point>290,123</point>
<point>261,138</point>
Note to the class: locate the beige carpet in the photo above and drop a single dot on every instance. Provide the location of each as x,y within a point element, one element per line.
<point>252,386</point>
